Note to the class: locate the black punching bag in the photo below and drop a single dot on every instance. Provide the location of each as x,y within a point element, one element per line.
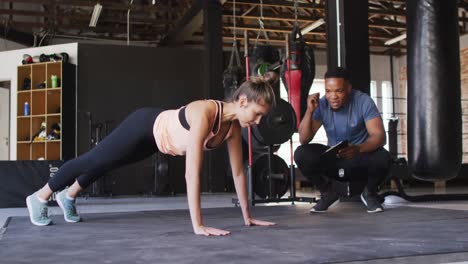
<point>434,99</point>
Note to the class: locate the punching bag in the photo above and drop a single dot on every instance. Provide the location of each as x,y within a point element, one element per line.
<point>234,73</point>
<point>434,99</point>
<point>261,58</point>
<point>301,73</point>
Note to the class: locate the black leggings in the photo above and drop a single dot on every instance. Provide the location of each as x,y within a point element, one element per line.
<point>371,167</point>
<point>131,141</point>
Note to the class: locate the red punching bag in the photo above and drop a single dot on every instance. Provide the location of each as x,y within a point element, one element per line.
<point>293,79</point>
<point>298,72</point>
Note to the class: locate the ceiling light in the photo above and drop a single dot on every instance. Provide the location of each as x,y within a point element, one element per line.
<point>394,40</point>
<point>95,16</point>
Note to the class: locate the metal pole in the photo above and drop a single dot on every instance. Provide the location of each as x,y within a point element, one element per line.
<point>247,77</point>
<point>292,187</point>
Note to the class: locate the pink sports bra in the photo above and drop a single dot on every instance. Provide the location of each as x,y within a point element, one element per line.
<point>171,130</point>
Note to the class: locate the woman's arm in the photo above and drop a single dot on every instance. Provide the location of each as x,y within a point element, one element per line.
<point>235,158</point>
<point>198,116</point>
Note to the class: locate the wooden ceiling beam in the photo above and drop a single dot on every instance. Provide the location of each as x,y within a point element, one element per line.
<point>271,40</point>
<point>110,38</point>
<point>228,47</point>
<point>272,17</point>
<point>90,4</point>
<point>282,3</point>
<point>287,30</point>
<point>15,12</point>
<point>269,29</point>
<point>98,29</point>
<point>282,40</point>
<point>385,24</point>
<point>311,19</point>
<point>84,17</point>
<point>275,3</point>
<point>391,1</point>
<point>247,11</point>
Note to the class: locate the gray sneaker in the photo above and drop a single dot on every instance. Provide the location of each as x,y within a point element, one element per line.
<point>371,201</point>
<point>38,211</point>
<point>327,199</point>
<point>68,207</point>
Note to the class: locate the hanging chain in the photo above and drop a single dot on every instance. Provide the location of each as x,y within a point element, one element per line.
<point>234,33</point>
<point>234,43</point>
<point>262,24</point>
<point>296,5</point>
<point>261,10</point>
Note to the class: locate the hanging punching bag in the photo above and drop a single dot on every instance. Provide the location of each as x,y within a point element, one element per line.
<point>434,107</point>
<point>234,73</point>
<point>301,73</point>
<point>261,58</point>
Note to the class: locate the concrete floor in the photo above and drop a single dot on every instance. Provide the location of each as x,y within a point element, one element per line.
<point>219,200</point>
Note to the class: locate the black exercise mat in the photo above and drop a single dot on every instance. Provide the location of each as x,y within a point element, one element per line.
<point>346,233</point>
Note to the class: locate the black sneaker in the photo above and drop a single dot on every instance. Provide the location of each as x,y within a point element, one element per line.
<point>327,199</point>
<point>371,201</point>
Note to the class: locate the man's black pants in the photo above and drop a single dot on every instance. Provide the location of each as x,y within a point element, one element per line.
<point>373,166</point>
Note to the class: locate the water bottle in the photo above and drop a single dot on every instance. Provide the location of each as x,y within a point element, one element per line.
<point>26,108</point>
<point>54,81</point>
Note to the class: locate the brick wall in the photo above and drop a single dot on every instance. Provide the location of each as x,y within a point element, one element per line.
<point>464,100</point>
<point>401,106</point>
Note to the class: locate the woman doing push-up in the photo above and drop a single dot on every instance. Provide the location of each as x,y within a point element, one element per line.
<point>189,130</point>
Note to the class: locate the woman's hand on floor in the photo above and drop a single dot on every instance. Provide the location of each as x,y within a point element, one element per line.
<point>210,231</point>
<point>255,222</point>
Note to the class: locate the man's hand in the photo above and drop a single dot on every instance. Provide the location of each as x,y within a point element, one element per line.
<point>210,231</point>
<point>349,152</point>
<point>255,222</point>
<point>313,102</point>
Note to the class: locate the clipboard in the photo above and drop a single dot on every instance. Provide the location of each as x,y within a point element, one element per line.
<point>331,153</point>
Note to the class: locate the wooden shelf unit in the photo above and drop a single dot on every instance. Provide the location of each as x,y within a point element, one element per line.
<point>46,105</point>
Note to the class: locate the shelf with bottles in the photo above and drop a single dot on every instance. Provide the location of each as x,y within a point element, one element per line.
<point>24,104</point>
<point>54,75</point>
<point>42,90</point>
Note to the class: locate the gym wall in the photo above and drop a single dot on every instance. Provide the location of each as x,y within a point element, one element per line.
<point>113,81</point>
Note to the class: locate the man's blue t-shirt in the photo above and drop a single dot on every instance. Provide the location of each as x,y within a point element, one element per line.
<point>349,122</point>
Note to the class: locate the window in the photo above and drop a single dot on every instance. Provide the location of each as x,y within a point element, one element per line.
<point>373,92</point>
<point>387,105</point>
